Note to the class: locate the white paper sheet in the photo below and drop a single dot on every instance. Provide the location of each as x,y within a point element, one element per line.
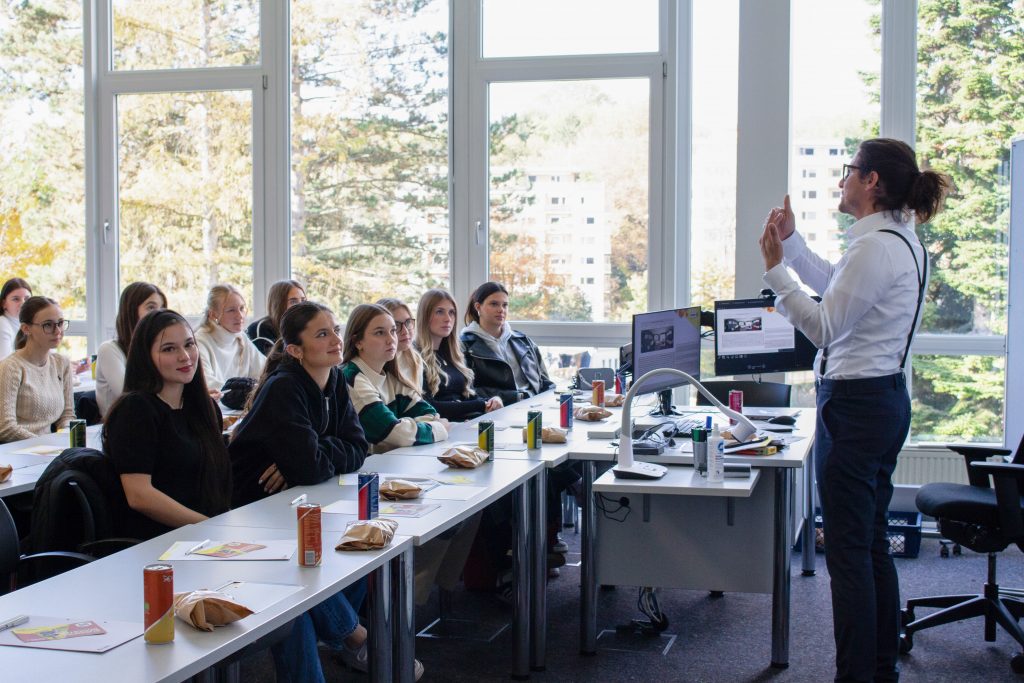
<point>41,449</point>
<point>341,507</point>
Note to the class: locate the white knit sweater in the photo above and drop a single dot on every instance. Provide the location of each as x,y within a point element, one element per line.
<point>9,327</point>
<point>34,397</point>
<point>110,365</point>
<point>226,355</point>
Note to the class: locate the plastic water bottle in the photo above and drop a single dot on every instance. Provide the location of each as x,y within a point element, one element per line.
<point>716,457</point>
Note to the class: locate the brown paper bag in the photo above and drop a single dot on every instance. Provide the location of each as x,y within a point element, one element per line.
<point>549,435</point>
<point>591,413</point>
<point>205,609</point>
<point>367,534</point>
<point>399,489</point>
<point>5,473</point>
<point>465,457</point>
<point>614,400</point>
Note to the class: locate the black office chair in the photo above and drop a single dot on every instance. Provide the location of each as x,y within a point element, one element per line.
<point>15,566</point>
<point>760,394</point>
<point>986,520</point>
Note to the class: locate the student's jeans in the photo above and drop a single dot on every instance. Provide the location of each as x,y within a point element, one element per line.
<point>861,426</point>
<point>296,658</point>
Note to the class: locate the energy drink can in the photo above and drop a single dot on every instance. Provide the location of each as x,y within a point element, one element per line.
<point>735,403</point>
<point>534,429</point>
<point>597,395</point>
<point>565,411</point>
<point>369,495</point>
<point>485,437</point>
<point>618,384</point>
<point>77,429</point>
<point>310,543</point>
<point>158,603</point>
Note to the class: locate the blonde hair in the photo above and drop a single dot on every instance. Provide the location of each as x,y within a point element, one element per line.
<point>215,303</point>
<point>412,357</point>
<point>358,320</point>
<point>432,375</point>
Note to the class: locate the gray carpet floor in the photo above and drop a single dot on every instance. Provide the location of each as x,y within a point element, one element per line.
<point>717,639</point>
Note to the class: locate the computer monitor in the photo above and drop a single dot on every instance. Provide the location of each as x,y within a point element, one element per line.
<point>666,339</point>
<point>752,337</point>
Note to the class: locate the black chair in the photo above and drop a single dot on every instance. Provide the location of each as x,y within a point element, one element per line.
<point>86,407</point>
<point>987,520</point>
<point>760,394</point>
<point>15,566</point>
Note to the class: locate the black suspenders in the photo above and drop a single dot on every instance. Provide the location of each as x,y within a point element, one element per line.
<point>921,282</point>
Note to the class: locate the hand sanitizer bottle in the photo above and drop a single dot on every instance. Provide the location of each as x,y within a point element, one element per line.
<point>716,457</point>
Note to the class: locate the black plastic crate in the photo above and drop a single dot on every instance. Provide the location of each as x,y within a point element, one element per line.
<point>904,533</point>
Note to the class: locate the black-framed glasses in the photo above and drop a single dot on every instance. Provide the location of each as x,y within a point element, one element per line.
<point>51,326</point>
<point>409,324</point>
<point>847,168</point>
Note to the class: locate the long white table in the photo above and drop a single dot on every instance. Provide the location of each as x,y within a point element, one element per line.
<point>29,467</point>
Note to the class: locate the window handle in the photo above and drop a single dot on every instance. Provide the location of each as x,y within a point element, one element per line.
<point>480,234</point>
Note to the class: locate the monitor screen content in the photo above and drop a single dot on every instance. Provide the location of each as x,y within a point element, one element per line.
<point>666,339</point>
<point>752,337</point>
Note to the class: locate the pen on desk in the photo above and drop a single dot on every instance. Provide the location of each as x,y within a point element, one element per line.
<point>197,547</point>
<point>299,500</point>
<point>15,621</point>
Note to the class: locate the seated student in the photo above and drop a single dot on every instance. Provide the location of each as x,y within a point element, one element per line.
<point>447,380</point>
<point>35,383</point>
<point>164,438</point>
<point>505,363</point>
<point>407,357</point>
<point>283,295</point>
<point>14,293</point>
<point>390,409</point>
<point>301,428</point>
<point>223,346</point>
<point>137,299</point>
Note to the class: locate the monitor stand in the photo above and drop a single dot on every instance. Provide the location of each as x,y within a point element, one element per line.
<point>665,407</point>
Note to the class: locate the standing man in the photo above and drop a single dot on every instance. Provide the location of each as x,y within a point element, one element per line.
<point>871,304</point>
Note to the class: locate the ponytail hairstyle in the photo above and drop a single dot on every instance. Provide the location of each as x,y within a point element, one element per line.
<point>133,296</point>
<point>142,376</point>
<point>11,285</point>
<point>432,376</point>
<point>293,323</point>
<point>903,189</point>
<point>215,304</point>
<point>355,329</point>
<point>32,305</point>
<point>479,296</point>
<point>277,301</point>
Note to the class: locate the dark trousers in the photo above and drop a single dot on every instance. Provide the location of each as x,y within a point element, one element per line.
<point>861,426</point>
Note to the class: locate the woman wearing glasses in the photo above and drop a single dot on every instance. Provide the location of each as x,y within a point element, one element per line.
<point>36,384</point>
<point>408,359</point>
<point>14,293</point>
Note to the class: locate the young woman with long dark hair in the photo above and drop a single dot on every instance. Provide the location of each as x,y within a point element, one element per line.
<point>283,295</point>
<point>15,292</point>
<point>137,299</point>
<point>407,357</point>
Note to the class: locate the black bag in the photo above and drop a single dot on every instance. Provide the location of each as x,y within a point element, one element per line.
<point>236,391</point>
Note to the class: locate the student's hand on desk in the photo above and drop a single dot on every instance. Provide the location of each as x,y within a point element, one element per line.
<point>493,403</point>
<point>272,480</point>
<point>215,395</point>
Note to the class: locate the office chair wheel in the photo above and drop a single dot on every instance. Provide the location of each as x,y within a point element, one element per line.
<point>906,643</point>
<point>1017,663</point>
<point>906,616</point>
<point>944,551</point>
<point>957,550</point>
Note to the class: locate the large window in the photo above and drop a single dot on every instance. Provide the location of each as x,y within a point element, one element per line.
<point>369,146</point>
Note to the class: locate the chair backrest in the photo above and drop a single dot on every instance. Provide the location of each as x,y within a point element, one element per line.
<point>86,407</point>
<point>761,394</point>
<point>77,499</point>
<point>10,548</point>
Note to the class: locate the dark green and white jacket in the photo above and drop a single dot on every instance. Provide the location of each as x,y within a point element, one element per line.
<point>391,414</point>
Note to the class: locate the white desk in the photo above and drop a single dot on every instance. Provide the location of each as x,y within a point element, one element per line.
<point>111,588</point>
<point>27,467</point>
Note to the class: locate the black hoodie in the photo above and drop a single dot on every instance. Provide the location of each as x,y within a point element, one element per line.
<point>310,435</point>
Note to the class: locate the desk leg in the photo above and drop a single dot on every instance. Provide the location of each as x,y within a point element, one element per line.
<point>403,618</point>
<point>380,610</point>
<point>588,568</point>
<point>808,551</point>
<point>780,571</point>
<point>538,599</point>
<point>521,570</point>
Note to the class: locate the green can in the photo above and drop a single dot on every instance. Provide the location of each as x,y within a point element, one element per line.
<point>77,428</point>
<point>485,437</point>
<point>534,429</point>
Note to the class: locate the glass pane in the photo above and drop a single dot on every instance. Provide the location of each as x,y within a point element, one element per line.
<point>569,197</point>
<point>563,362</point>
<point>185,34</point>
<point>836,58</point>
<point>369,120</point>
<point>958,398</point>
<point>42,145</point>
<point>185,193</point>
<point>527,28</point>
<point>968,109</point>
<point>713,186</point>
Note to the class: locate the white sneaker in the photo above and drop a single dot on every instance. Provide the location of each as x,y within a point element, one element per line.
<point>357,660</point>
<point>417,669</point>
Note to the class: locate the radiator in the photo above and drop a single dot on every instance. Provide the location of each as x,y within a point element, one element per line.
<point>926,465</point>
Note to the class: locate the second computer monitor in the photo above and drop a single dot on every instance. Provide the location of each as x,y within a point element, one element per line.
<point>752,337</point>
<point>666,339</point>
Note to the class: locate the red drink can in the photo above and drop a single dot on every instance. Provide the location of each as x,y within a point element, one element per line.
<point>310,544</point>
<point>597,395</point>
<point>735,403</point>
<point>158,603</point>
<point>369,495</point>
<point>565,411</point>
<point>618,384</point>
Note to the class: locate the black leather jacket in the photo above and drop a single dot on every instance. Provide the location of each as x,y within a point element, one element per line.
<point>494,377</point>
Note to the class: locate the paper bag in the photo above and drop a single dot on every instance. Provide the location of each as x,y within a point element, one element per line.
<point>614,400</point>
<point>591,413</point>
<point>5,473</point>
<point>466,457</point>
<point>205,609</point>
<point>367,534</point>
<point>399,489</point>
<point>549,435</point>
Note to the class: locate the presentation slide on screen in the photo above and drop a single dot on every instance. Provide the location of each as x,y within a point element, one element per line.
<point>670,339</point>
<point>753,330</point>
